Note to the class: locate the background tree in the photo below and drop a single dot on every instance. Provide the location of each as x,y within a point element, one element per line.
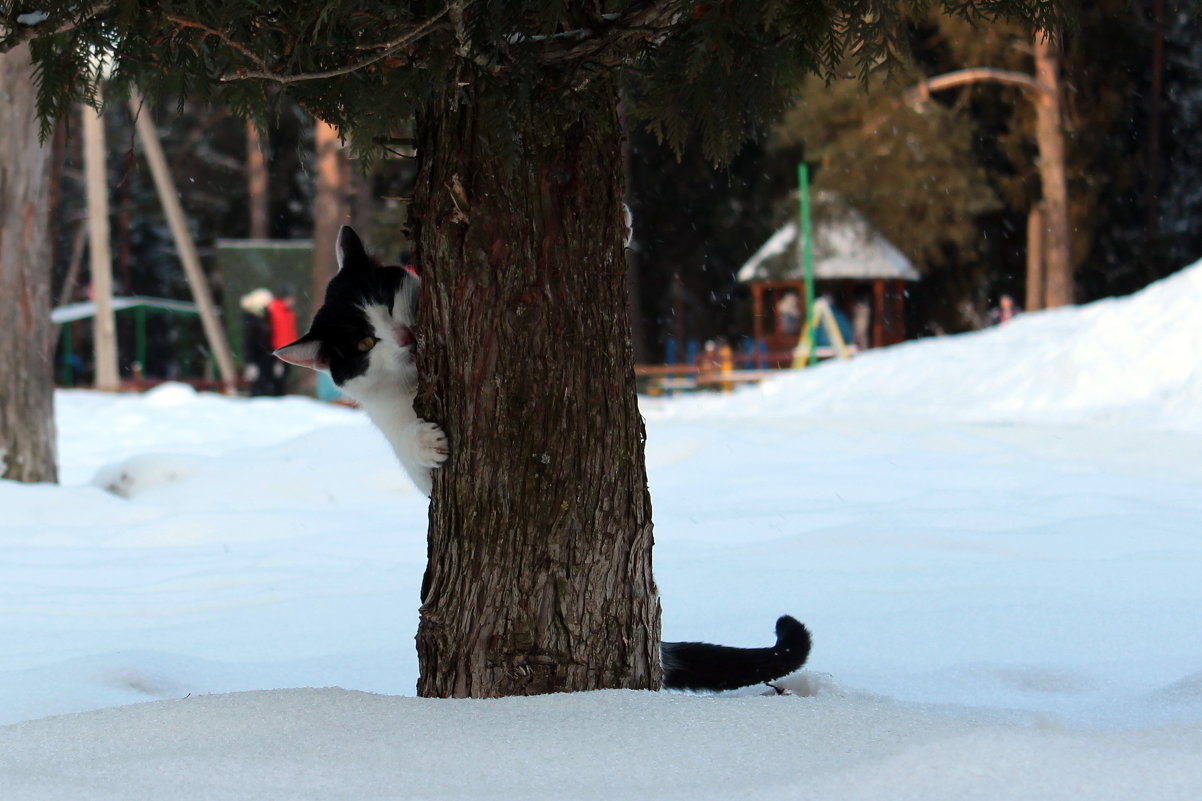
<point>207,150</point>
<point>694,225</point>
<point>27,448</point>
<point>1123,233</point>
<point>258,179</point>
<point>1133,181</point>
<point>539,576</point>
<point>911,169</point>
<point>329,203</point>
<point>1049,261</point>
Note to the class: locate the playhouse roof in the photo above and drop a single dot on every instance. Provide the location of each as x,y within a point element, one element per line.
<point>85,309</point>
<point>845,246</point>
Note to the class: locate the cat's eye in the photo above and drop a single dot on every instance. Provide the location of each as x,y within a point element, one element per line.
<point>367,343</point>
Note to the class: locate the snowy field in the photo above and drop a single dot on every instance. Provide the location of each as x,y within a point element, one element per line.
<point>996,540</point>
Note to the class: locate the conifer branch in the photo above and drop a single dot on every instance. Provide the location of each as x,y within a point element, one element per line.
<point>647,23</point>
<point>457,10</point>
<point>263,72</point>
<point>17,32</point>
<point>226,40</point>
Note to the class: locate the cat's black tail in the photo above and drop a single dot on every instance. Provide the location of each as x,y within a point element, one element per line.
<point>701,666</point>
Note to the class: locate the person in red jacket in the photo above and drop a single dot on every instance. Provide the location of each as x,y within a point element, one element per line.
<point>282,313</point>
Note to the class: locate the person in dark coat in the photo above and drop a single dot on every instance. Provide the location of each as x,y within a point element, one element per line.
<point>258,363</point>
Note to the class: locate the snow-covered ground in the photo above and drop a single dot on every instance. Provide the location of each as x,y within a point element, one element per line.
<point>996,540</point>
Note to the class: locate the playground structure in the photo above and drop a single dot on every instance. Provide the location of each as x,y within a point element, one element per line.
<point>104,330</point>
<point>719,366</point>
<point>823,291</point>
<point>140,306</point>
<point>861,275</point>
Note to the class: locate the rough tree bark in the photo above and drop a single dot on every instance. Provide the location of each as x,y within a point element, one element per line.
<point>539,576</point>
<point>27,447</point>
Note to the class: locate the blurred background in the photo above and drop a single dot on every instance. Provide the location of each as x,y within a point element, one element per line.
<point>925,204</point>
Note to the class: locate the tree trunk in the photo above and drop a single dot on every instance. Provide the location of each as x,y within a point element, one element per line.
<point>1035,276</point>
<point>27,447</point>
<point>539,577</point>
<point>1155,114</point>
<point>329,204</point>
<point>258,202</point>
<point>1050,268</point>
<point>1058,263</point>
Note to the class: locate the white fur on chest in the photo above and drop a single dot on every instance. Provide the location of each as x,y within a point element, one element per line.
<point>386,391</point>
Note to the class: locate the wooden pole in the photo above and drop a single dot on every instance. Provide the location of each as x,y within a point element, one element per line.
<point>879,310</point>
<point>899,312</point>
<point>104,338</point>
<point>74,267</point>
<point>757,312</point>
<point>184,244</point>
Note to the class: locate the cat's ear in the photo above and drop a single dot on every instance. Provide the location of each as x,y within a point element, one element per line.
<point>350,250</point>
<point>303,353</point>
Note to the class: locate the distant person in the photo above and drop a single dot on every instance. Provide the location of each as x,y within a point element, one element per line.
<point>709,360</point>
<point>1006,310</point>
<point>861,323</point>
<point>788,313</point>
<point>259,364</point>
<point>282,313</point>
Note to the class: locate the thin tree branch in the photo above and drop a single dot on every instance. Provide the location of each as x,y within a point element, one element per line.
<point>390,48</point>
<point>922,90</point>
<point>226,40</point>
<point>949,80</point>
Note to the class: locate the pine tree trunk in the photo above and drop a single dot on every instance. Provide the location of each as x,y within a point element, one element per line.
<point>27,447</point>
<point>329,204</point>
<point>1035,258</point>
<point>539,577</point>
<point>1058,263</point>
<point>258,202</point>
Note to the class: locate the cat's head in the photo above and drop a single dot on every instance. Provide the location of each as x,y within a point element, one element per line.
<point>363,333</point>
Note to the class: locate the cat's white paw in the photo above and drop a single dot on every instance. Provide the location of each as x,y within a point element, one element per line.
<point>432,447</point>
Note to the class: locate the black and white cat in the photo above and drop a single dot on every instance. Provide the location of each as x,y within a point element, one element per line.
<point>363,337</point>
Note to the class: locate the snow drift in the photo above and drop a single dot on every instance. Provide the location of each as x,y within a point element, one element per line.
<point>994,539</point>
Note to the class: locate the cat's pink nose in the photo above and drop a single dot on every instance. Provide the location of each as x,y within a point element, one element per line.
<point>402,335</point>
